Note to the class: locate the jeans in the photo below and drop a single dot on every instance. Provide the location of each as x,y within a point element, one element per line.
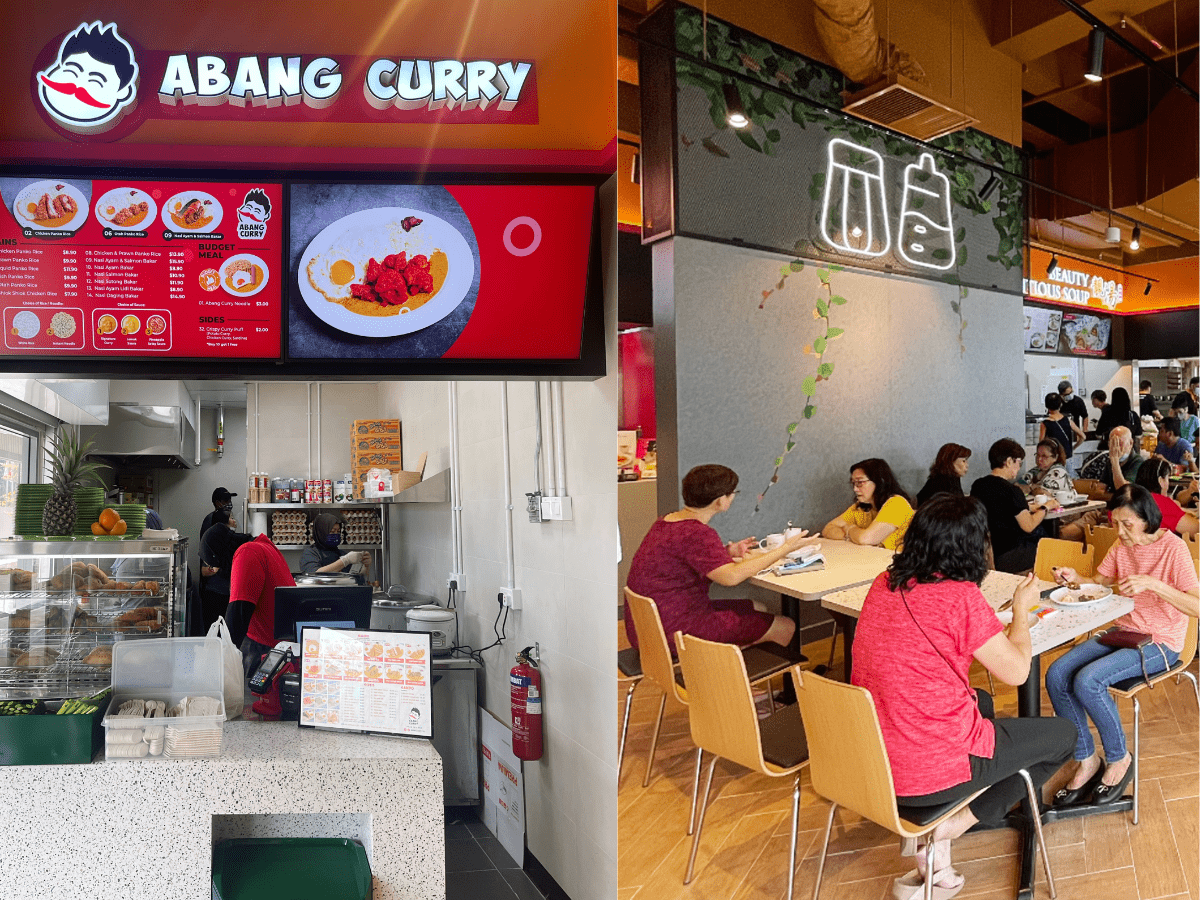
<point>1078,687</point>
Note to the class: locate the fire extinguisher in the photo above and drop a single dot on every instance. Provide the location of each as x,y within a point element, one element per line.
<point>525,690</point>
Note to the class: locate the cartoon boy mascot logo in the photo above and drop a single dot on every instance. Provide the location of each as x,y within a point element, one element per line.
<point>253,214</point>
<point>93,83</point>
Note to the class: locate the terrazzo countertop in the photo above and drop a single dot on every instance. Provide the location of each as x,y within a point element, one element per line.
<point>145,828</point>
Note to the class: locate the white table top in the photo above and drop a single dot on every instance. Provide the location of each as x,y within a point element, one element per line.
<point>1073,510</point>
<point>846,564</point>
<point>1065,625</point>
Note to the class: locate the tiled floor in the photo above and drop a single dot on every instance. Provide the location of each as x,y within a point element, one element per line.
<point>743,854</point>
<point>477,867</point>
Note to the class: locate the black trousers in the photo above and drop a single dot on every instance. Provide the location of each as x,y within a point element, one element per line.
<point>1039,745</point>
<point>213,605</point>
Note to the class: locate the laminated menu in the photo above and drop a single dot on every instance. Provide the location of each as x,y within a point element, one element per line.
<point>373,681</point>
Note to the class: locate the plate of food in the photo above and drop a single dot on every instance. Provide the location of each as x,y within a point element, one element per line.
<point>1081,595</point>
<point>244,275</point>
<point>192,211</point>
<point>386,272</point>
<point>126,209</point>
<point>1035,341</point>
<point>51,206</point>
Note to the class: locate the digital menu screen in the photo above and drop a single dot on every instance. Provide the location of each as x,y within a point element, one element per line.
<point>468,272</point>
<point>1055,330</point>
<point>140,269</point>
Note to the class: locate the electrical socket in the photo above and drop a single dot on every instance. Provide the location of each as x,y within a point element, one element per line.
<point>556,509</point>
<point>534,507</point>
<point>510,597</point>
<point>459,579</point>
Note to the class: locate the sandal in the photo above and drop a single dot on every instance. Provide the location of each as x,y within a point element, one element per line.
<point>912,885</point>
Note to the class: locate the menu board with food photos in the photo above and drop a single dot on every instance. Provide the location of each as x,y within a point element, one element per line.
<point>373,681</point>
<point>144,269</point>
<point>1052,330</point>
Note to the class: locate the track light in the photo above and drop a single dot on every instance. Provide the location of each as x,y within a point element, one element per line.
<point>1135,240</point>
<point>1113,234</point>
<point>989,187</point>
<point>1053,264</point>
<point>1095,68</point>
<point>1147,290</point>
<point>636,174</point>
<point>735,114</point>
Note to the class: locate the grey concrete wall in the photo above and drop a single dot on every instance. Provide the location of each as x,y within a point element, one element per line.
<point>901,386</point>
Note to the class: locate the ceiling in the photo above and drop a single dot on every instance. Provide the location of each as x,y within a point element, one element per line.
<point>1065,119</point>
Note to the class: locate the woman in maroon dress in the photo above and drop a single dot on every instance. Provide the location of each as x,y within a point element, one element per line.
<point>681,555</point>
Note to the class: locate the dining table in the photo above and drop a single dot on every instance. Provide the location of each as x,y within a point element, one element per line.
<point>1046,632</point>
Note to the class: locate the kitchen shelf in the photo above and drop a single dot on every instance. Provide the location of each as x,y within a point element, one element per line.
<point>340,547</point>
<point>355,504</point>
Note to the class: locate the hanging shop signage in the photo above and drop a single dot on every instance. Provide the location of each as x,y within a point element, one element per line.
<point>96,82</point>
<point>96,268</point>
<point>1065,284</point>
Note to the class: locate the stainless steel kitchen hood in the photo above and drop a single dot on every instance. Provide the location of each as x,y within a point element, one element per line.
<point>143,436</point>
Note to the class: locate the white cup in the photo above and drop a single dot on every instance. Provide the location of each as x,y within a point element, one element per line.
<point>1064,497</point>
<point>771,541</point>
<point>792,533</point>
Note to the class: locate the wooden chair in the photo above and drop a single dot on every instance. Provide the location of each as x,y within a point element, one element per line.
<point>1096,490</point>
<point>1054,552</point>
<point>1131,687</point>
<point>762,662</point>
<point>849,766</point>
<point>1100,537</point>
<point>725,722</point>
<point>1193,542</point>
<point>629,667</point>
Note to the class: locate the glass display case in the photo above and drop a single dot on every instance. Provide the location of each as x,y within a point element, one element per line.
<point>63,604</point>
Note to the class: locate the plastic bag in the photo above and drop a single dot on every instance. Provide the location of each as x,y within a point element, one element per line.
<point>231,659</point>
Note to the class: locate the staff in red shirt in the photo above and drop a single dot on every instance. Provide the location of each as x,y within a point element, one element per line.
<point>923,622</point>
<point>258,568</point>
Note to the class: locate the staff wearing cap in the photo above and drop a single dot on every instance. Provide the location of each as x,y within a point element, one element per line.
<point>222,502</point>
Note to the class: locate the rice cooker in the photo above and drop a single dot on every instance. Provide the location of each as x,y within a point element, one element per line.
<point>389,612</point>
<point>439,623</point>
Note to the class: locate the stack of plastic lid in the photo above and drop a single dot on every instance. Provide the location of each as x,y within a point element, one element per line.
<point>31,501</point>
<point>134,515</point>
<point>88,503</point>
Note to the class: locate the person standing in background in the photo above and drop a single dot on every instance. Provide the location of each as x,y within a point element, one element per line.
<point>1146,404</point>
<point>222,502</point>
<point>217,547</point>
<point>1072,406</point>
<point>1188,398</point>
<point>258,568</point>
<point>1189,424</point>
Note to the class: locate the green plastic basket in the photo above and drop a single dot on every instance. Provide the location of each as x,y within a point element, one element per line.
<point>292,868</point>
<point>50,740</point>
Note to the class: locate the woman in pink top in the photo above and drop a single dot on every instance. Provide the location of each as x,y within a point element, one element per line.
<point>681,555</point>
<point>1155,568</point>
<point>923,622</point>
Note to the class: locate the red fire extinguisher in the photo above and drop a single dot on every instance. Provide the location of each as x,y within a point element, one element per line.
<point>525,690</point>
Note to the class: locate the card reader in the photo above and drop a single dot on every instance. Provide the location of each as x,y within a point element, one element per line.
<point>283,653</point>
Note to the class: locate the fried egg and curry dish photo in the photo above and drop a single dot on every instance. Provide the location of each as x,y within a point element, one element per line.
<point>386,272</point>
<point>51,206</point>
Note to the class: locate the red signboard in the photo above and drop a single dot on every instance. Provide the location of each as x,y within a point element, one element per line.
<point>135,268</point>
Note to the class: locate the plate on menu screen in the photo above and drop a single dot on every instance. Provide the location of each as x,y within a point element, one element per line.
<point>336,266</point>
<point>1084,596</point>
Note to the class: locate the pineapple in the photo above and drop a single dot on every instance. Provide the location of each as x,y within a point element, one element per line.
<point>68,471</point>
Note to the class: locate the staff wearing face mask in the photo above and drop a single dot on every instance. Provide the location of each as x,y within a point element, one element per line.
<point>222,502</point>
<point>323,558</point>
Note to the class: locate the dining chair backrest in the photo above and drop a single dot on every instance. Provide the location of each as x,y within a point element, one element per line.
<point>652,645</point>
<point>1102,537</point>
<point>1096,490</point>
<point>1193,542</point>
<point>1054,552</point>
<point>1188,653</point>
<point>847,758</point>
<point>720,702</point>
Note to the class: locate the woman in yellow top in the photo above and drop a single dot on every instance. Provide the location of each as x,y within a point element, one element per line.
<point>881,510</point>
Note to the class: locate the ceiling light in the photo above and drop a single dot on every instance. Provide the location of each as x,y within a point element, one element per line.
<point>1053,264</point>
<point>735,114</point>
<point>989,187</point>
<point>1135,241</point>
<point>1095,67</point>
<point>1147,290</point>
<point>1112,234</point>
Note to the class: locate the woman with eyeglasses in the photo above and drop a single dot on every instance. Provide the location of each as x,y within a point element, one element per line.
<point>682,555</point>
<point>881,510</point>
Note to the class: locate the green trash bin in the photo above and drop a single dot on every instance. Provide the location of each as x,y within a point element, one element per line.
<point>290,869</point>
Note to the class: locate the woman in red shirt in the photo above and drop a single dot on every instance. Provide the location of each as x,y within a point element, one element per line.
<point>923,622</point>
<point>1155,476</point>
<point>681,555</point>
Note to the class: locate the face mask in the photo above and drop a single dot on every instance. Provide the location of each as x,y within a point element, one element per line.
<point>332,540</point>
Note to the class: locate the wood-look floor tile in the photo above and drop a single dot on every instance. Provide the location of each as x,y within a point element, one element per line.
<point>627,893</point>
<point>1156,859</point>
<point>1183,815</point>
<point>1176,787</point>
<point>1106,839</point>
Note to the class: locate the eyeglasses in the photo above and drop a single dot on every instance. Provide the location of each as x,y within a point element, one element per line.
<point>859,482</point>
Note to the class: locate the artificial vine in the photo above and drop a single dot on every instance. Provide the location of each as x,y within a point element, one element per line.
<point>817,349</point>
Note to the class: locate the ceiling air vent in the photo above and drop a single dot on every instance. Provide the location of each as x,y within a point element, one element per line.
<point>906,106</point>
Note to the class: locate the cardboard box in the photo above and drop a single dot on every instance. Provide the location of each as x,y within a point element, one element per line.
<point>377,459</point>
<point>401,479</point>
<point>368,442</point>
<point>375,426</point>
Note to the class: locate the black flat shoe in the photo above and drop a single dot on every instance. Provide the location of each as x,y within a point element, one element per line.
<point>1108,793</point>
<point>1070,796</point>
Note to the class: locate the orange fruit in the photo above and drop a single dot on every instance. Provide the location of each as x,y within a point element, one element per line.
<point>108,518</point>
<point>119,528</point>
<point>97,528</point>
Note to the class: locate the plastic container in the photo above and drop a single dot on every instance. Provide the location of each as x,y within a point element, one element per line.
<point>296,868</point>
<point>51,740</point>
<point>166,669</point>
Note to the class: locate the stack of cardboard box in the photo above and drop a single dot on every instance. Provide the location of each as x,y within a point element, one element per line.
<point>374,444</point>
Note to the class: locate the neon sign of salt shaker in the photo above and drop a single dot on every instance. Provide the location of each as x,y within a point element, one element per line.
<point>926,229</point>
<point>854,217</point>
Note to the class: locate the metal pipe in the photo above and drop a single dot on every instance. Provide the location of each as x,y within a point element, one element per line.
<point>455,499</point>
<point>221,431</point>
<point>256,425</point>
<point>537,446</point>
<point>318,475</point>
<point>560,466</point>
<point>308,397</point>
<point>198,431</point>
<point>510,561</point>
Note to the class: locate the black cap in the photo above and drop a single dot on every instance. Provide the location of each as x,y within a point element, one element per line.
<point>222,494</point>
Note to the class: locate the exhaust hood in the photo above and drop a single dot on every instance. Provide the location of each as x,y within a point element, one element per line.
<point>144,436</point>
